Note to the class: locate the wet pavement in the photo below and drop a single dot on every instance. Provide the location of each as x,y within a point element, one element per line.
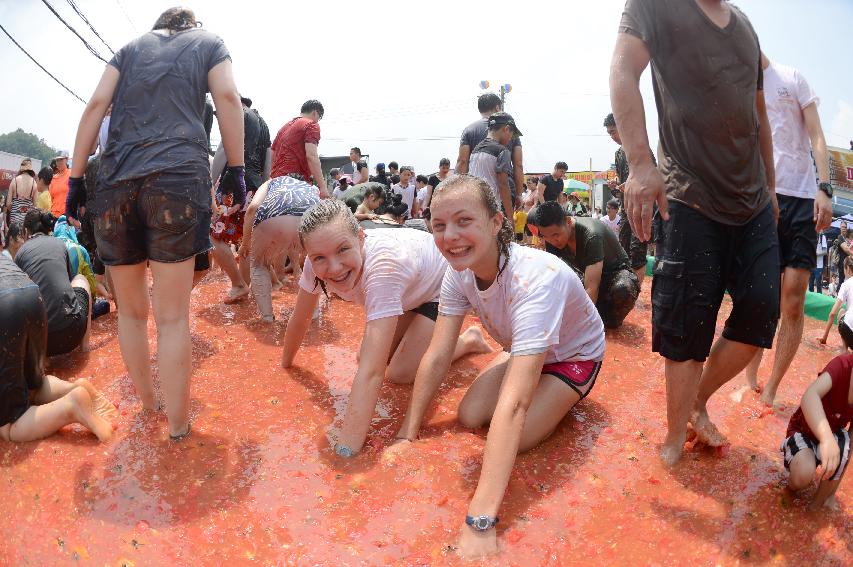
<point>256,483</point>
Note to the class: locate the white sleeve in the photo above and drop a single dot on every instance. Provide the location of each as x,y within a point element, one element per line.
<point>383,287</point>
<point>308,281</point>
<point>536,317</point>
<point>452,301</point>
<point>805,93</point>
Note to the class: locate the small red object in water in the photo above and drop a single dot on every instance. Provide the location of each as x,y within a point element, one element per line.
<point>765,412</point>
<point>653,480</point>
<point>142,525</point>
<point>514,536</point>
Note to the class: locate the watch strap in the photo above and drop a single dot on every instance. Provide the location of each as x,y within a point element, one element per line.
<point>481,523</point>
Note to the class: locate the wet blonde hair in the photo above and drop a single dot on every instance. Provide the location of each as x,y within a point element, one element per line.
<point>488,200</point>
<point>324,213</point>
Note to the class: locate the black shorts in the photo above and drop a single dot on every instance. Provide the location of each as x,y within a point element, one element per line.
<point>797,234</point>
<point>202,262</point>
<point>164,217</point>
<point>617,295</point>
<point>635,249</point>
<point>23,334</point>
<point>846,334</point>
<point>68,338</point>
<point>697,261</point>
<point>428,310</point>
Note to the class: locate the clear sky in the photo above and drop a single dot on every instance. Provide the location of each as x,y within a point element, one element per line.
<point>400,79</point>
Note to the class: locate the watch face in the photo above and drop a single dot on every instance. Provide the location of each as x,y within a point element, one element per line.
<point>483,523</point>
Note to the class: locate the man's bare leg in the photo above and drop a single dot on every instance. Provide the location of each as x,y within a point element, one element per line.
<point>794,284</point>
<point>727,360</point>
<point>682,382</point>
<point>752,371</point>
<point>641,274</point>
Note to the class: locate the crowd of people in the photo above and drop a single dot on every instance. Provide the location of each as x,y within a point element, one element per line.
<point>726,209</point>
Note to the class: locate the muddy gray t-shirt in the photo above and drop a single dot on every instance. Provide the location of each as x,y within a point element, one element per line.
<point>705,80</point>
<point>157,122</point>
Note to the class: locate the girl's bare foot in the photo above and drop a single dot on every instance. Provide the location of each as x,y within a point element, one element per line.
<point>102,406</point>
<point>83,412</point>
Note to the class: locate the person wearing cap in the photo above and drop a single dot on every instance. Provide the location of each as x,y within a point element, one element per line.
<point>491,160</point>
<point>576,206</point>
<point>593,250</point>
<point>59,184</point>
<point>474,133</point>
<point>22,193</point>
<point>381,176</point>
<point>550,186</point>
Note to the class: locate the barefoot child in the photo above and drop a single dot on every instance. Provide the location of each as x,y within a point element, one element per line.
<point>845,320</point>
<point>817,434</point>
<point>396,275</point>
<point>536,308</point>
<point>34,405</point>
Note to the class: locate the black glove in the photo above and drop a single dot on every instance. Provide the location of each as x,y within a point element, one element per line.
<point>234,181</point>
<point>76,197</point>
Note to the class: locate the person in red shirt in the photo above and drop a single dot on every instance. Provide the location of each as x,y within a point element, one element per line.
<point>295,147</point>
<point>819,432</point>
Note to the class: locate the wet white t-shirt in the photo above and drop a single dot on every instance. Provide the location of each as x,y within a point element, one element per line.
<point>408,193</point>
<point>845,294</point>
<point>522,308</point>
<point>611,224</point>
<point>403,269</point>
<point>787,93</point>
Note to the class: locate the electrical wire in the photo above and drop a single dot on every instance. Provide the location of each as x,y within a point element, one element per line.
<point>91,49</point>
<point>40,65</point>
<point>91,27</point>
<point>127,16</point>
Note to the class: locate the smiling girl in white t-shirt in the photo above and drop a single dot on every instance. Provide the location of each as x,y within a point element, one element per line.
<point>536,308</point>
<point>396,275</point>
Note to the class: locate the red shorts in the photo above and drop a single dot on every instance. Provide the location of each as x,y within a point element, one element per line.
<point>579,375</point>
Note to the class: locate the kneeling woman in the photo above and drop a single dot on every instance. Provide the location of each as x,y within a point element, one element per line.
<point>396,275</point>
<point>271,232</point>
<point>534,306</point>
<point>34,405</point>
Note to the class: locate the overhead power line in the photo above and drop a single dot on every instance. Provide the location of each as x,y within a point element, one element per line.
<point>75,95</point>
<point>91,49</point>
<point>91,27</point>
<point>126,15</point>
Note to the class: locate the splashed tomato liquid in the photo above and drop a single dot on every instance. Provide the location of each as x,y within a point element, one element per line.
<point>257,482</point>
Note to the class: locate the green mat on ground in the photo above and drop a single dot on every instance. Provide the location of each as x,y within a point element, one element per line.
<point>817,305</point>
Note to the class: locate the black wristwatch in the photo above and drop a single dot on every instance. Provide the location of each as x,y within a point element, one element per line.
<point>826,188</point>
<point>481,523</point>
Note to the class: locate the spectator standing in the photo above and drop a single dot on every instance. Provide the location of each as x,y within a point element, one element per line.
<point>59,183</point>
<point>816,279</point>
<point>805,207</point>
<point>491,161</point>
<point>156,154</point>
<point>637,251</point>
<point>612,218</point>
<point>22,193</point>
<point>475,133</point>
<point>550,186</point>
<point>381,176</point>
<point>354,169</point>
<point>715,190</point>
<point>406,189</point>
<point>436,178</point>
<point>295,147</point>
<point>393,170</point>
<point>423,189</point>
<point>43,201</point>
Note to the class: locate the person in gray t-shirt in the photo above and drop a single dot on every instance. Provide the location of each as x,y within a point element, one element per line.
<point>475,133</point>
